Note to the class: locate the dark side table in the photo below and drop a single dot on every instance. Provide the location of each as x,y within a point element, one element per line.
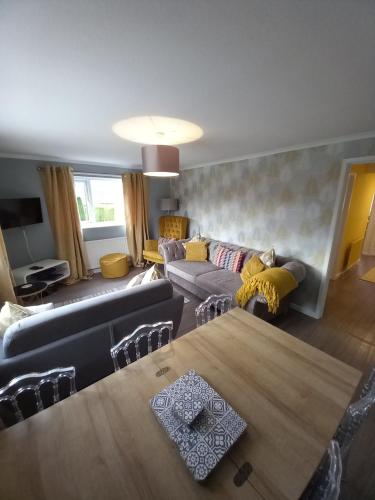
<point>30,289</point>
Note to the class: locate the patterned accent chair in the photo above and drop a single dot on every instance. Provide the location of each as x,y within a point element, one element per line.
<point>170,226</point>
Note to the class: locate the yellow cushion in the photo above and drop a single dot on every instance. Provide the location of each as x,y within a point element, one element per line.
<point>253,266</point>
<point>153,256</point>
<point>196,251</point>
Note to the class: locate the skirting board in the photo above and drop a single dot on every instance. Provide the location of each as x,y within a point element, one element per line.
<point>305,310</point>
<point>341,273</point>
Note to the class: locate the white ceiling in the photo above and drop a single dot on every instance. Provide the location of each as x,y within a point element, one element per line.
<point>256,75</point>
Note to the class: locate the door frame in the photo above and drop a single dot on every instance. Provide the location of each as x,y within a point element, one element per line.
<point>340,212</point>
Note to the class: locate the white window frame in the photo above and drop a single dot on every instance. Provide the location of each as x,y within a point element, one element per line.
<point>86,178</point>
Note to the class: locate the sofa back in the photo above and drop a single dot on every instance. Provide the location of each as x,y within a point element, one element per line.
<point>82,334</point>
<point>50,326</point>
<point>213,244</point>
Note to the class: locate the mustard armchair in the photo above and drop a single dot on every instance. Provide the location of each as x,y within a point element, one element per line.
<point>170,226</point>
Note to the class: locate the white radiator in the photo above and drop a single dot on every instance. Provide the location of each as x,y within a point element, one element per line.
<point>97,248</point>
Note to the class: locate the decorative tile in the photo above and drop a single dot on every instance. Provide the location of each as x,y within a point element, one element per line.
<point>204,422</point>
<point>169,420</point>
<point>161,401</point>
<point>187,406</point>
<point>201,461</point>
<point>219,440</point>
<point>233,423</point>
<point>199,421</point>
<point>185,438</point>
<point>217,406</point>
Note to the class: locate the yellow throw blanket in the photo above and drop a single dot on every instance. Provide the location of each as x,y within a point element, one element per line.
<point>273,283</point>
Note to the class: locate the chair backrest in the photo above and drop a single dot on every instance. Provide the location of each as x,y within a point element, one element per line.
<point>355,415</point>
<point>213,306</point>
<point>326,482</point>
<point>173,226</point>
<point>32,383</point>
<point>147,332</point>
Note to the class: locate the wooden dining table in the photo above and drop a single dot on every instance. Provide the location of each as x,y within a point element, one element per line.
<point>105,443</point>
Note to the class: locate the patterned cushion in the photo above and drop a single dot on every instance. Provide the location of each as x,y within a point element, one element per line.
<point>232,260</point>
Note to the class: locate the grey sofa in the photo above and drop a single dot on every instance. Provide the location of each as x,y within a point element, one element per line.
<point>204,278</point>
<point>79,334</point>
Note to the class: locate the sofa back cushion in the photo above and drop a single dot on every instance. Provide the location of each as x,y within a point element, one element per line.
<point>229,259</point>
<point>41,329</point>
<point>213,244</point>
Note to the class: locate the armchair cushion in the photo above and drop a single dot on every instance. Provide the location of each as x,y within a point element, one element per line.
<point>153,256</point>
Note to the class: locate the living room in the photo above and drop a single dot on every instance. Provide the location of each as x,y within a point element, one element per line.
<point>186,199</point>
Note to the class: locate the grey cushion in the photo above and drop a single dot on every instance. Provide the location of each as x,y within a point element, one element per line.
<point>190,270</point>
<point>41,329</point>
<point>220,281</point>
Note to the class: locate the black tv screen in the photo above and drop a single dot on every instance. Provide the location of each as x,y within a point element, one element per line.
<point>20,212</point>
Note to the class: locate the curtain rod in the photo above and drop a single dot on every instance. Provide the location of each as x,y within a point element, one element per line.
<point>95,174</point>
<point>89,174</point>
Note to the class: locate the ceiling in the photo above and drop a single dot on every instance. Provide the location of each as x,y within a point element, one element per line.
<point>256,75</point>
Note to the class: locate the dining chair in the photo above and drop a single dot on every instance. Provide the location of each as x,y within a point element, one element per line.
<point>43,387</point>
<point>213,306</point>
<point>146,333</point>
<point>369,385</point>
<point>355,416</point>
<point>326,482</point>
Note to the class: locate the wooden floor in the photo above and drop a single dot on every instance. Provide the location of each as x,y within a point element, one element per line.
<point>346,332</point>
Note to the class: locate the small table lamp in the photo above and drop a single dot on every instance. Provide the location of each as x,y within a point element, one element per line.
<point>168,204</point>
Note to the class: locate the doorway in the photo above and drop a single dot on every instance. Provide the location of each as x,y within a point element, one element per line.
<point>357,235</point>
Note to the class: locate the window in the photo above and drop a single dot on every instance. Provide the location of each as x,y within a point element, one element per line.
<point>100,201</point>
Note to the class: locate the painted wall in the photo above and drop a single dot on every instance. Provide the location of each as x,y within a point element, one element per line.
<point>20,179</point>
<point>358,213</point>
<point>284,200</point>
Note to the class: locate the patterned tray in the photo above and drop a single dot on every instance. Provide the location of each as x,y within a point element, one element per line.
<point>204,441</point>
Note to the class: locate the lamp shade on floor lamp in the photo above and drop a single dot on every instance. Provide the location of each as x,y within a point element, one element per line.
<point>168,204</point>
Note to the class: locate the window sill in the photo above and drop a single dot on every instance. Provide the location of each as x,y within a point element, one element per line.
<point>101,225</point>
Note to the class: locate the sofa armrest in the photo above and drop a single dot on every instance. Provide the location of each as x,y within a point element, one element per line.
<point>151,245</point>
<point>297,269</point>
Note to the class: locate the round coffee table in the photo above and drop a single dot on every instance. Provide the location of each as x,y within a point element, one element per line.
<point>30,289</point>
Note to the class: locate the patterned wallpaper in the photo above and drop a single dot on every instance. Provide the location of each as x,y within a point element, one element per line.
<point>284,200</point>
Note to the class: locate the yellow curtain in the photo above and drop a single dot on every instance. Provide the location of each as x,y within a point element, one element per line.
<point>135,188</point>
<point>58,187</point>
<point>6,284</point>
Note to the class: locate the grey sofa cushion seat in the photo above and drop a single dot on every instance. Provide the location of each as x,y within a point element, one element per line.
<point>44,328</point>
<point>188,270</point>
<point>220,281</point>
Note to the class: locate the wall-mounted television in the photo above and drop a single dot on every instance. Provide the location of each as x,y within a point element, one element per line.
<point>18,212</point>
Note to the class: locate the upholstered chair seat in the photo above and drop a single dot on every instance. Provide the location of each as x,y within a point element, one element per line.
<point>170,226</point>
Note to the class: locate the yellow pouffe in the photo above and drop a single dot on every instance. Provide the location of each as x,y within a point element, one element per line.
<point>114,265</point>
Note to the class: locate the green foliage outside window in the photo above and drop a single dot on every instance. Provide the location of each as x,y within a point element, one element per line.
<point>82,210</point>
<point>103,214</point>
